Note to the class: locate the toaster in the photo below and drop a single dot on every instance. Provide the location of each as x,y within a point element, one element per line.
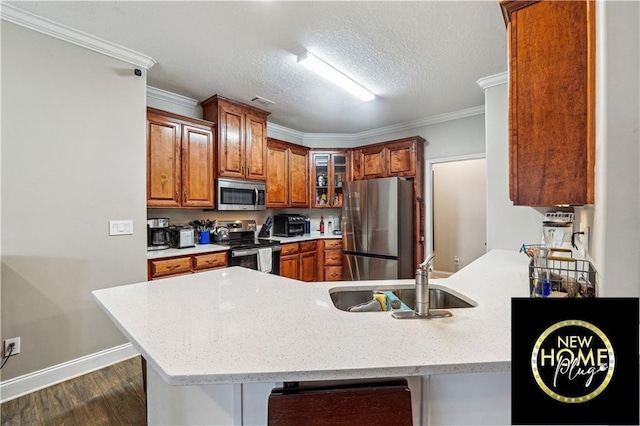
<point>180,237</point>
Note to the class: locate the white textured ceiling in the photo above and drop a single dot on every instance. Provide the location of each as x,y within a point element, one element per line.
<point>420,58</point>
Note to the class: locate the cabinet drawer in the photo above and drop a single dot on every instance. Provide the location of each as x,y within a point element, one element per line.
<point>333,273</point>
<point>211,260</point>
<point>164,267</point>
<point>332,244</point>
<point>308,246</point>
<point>289,249</point>
<point>333,257</point>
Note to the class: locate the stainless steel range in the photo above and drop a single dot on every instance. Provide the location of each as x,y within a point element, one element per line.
<point>246,250</point>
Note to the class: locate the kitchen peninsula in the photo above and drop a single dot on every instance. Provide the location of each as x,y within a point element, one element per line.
<point>217,342</point>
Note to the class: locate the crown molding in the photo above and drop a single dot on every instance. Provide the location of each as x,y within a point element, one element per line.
<point>174,98</point>
<point>285,131</point>
<point>493,80</point>
<point>409,125</point>
<point>33,22</point>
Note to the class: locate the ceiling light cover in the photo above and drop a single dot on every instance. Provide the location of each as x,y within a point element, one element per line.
<point>327,71</point>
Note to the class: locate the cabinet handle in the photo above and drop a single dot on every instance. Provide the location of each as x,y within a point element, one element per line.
<point>211,261</point>
<point>184,200</point>
<point>177,195</point>
<point>171,267</point>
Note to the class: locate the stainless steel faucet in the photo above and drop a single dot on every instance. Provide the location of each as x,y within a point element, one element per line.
<point>421,309</point>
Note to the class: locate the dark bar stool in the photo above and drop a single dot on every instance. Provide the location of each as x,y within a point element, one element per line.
<point>380,402</point>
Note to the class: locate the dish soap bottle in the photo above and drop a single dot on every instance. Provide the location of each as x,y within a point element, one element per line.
<point>321,225</point>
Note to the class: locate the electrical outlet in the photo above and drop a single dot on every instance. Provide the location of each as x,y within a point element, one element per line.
<point>16,347</point>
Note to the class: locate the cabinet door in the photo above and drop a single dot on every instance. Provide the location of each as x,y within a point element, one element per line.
<point>372,162</point>
<point>551,102</point>
<point>339,169</point>
<point>231,130</point>
<point>289,266</point>
<point>320,167</point>
<point>255,147</point>
<point>298,177</point>
<point>401,159</point>
<point>197,167</point>
<point>163,162</point>
<point>277,176</point>
<point>308,265</point>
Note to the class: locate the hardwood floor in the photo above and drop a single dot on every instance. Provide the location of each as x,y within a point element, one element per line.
<point>110,396</point>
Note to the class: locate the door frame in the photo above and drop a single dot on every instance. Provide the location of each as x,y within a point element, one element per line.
<point>428,191</point>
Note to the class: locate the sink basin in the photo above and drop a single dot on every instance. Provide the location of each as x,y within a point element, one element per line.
<point>439,297</point>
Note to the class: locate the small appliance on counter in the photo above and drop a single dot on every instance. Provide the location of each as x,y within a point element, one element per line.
<point>557,228</point>
<point>221,234</point>
<point>157,234</point>
<point>288,225</point>
<point>181,237</point>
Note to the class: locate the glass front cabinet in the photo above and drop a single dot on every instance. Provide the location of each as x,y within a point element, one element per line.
<point>329,172</point>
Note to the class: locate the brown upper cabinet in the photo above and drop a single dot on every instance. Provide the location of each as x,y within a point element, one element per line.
<point>389,159</point>
<point>288,175</point>
<point>180,161</point>
<point>551,101</point>
<point>241,138</point>
<point>329,171</point>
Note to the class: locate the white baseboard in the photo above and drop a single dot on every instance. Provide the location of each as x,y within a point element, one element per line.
<point>23,385</point>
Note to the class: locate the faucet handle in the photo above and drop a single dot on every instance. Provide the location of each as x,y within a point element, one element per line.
<point>423,266</point>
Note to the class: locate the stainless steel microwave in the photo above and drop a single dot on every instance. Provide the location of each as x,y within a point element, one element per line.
<point>234,194</point>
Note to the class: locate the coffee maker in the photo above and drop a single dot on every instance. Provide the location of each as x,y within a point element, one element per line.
<point>157,234</point>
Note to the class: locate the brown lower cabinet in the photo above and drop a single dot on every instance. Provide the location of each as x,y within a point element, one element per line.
<point>383,402</point>
<point>331,260</point>
<point>180,265</point>
<point>299,261</point>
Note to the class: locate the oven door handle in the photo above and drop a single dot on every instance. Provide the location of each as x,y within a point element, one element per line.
<point>241,253</point>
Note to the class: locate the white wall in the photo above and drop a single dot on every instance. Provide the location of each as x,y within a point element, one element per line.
<point>73,157</point>
<point>460,213</point>
<point>508,226</point>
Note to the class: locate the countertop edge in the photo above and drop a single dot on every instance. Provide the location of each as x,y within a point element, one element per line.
<point>347,374</point>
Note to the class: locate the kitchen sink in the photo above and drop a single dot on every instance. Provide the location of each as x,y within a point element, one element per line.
<point>439,297</point>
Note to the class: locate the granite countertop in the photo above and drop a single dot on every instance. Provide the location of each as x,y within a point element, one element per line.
<point>237,325</point>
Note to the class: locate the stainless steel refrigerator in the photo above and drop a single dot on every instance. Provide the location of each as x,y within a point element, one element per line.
<point>377,229</point>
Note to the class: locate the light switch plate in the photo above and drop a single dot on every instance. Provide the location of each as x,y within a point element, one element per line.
<point>120,227</point>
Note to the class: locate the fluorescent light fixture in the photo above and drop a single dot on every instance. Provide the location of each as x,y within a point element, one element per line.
<point>333,75</point>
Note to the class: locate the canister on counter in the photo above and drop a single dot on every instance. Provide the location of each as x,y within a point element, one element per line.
<point>307,225</point>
